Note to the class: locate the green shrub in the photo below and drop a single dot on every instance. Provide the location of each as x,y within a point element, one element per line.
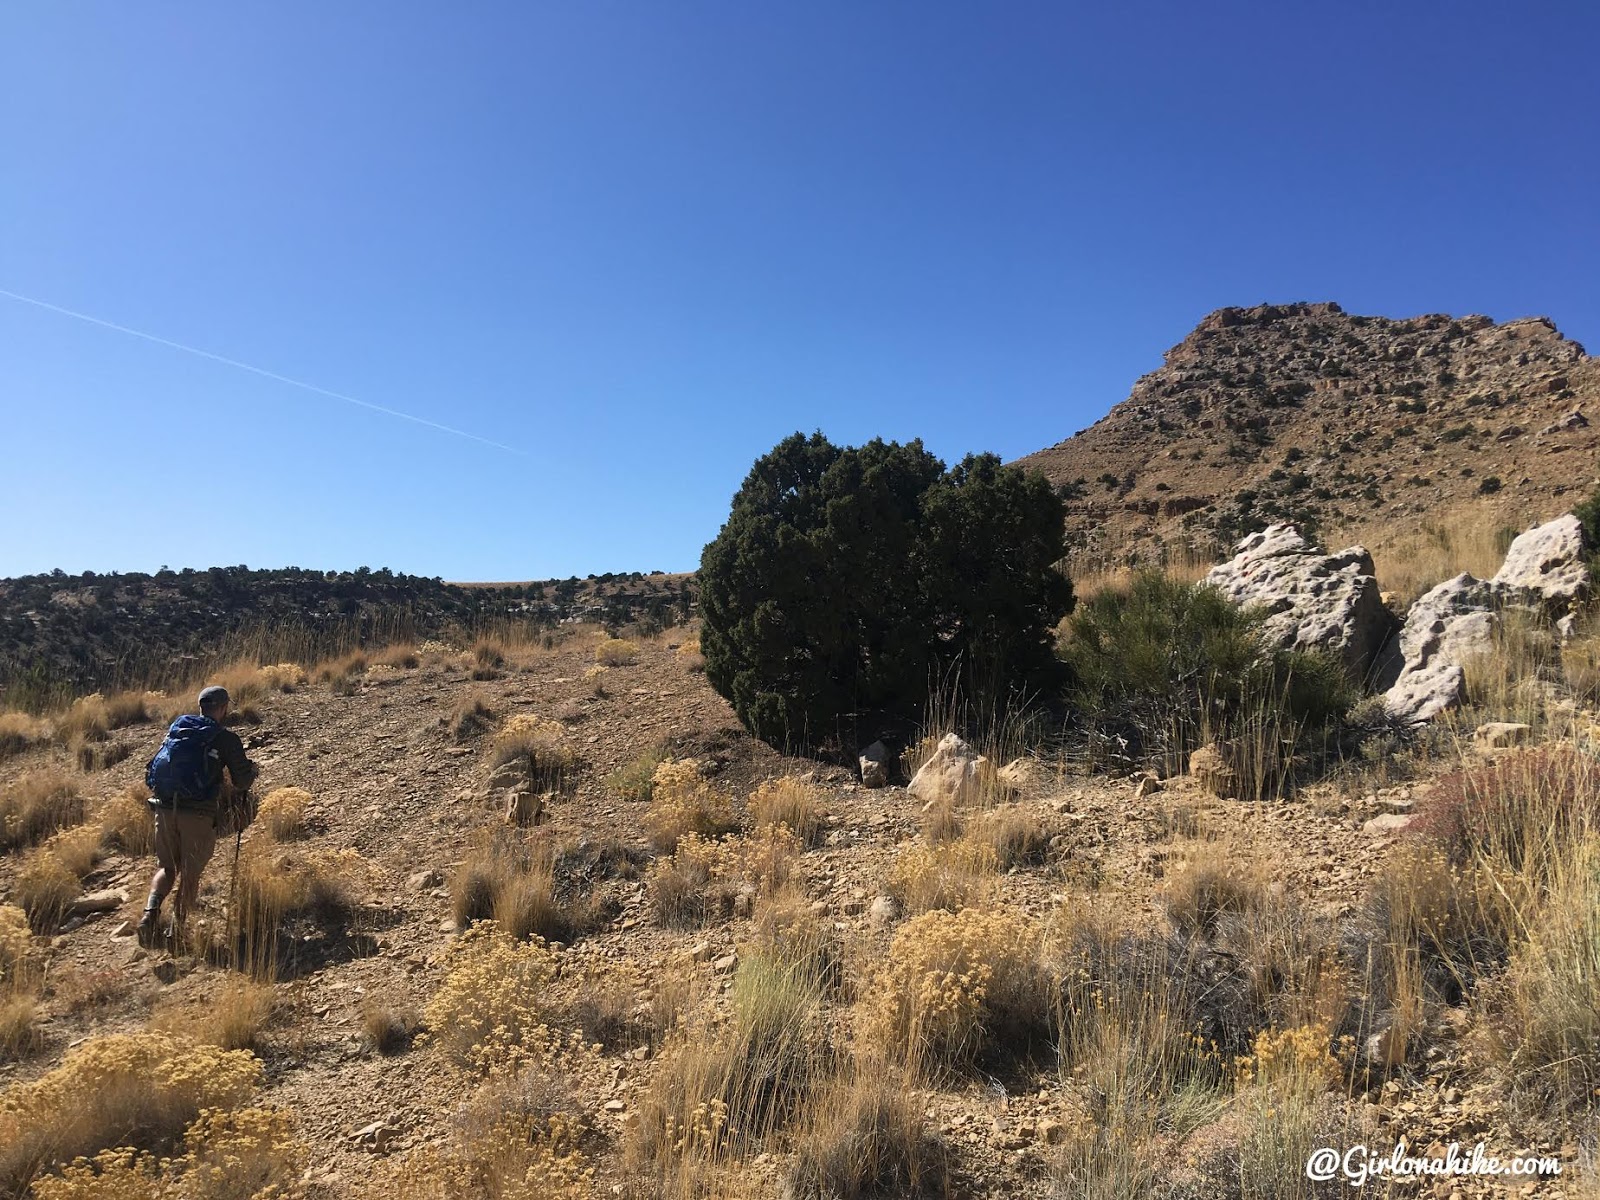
<point>846,578</point>
<point>1169,665</point>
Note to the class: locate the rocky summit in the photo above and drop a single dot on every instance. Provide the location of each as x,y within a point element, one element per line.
<point>1305,413</point>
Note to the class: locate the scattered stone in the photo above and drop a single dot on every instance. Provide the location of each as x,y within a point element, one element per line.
<point>874,763</point>
<point>96,902</point>
<point>524,807</point>
<point>1314,601</point>
<point>1023,775</point>
<point>1499,735</point>
<point>1210,768</point>
<point>885,910</point>
<point>1386,823</point>
<point>725,964</point>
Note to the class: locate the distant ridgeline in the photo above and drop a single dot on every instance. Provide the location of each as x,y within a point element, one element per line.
<point>63,634</point>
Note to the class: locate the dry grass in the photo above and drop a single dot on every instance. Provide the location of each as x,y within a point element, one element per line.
<point>794,802</point>
<point>49,876</point>
<point>126,822</point>
<point>76,991</point>
<point>634,780</point>
<point>720,1089</point>
<point>137,1090</point>
<point>19,1030</point>
<point>404,657</point>
<point>509,877</point>
<point>276,885</point>
<point>388,1028</point>
<point>283,813</point>
<point>36,805</point>
<point>682,802</point>
<point>1202,893</point>
<point>1542,1022</point>
<point>1470,538</point>
<point>864,1135</point>
<point>616,652</point>
<point>689,656</point>
<point>1509,681</point>
<point>1015,835</point>
<point>342,674</point>
<point>232,1019</point>
<point>470,716</point>
<point>487,657</point>
<point>594,678</point>
<point>20,731</point>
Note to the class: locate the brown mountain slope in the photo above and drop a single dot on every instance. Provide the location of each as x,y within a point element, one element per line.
<point>1362,427</point>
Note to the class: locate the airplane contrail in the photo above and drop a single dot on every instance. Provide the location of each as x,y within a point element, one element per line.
<point>265,374</point>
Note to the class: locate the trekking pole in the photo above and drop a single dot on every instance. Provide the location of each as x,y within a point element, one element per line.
<point>233,887</point>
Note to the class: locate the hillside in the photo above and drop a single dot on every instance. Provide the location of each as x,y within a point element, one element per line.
<point>62,635</point>
<point>1359,426</point>
<point>397,806</point>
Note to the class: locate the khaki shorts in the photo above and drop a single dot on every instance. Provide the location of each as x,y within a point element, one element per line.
<point>185,841</point>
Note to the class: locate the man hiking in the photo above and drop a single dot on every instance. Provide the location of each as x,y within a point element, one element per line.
<point>185,782</point>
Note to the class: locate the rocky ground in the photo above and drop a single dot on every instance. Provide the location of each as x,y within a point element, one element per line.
<point>389,782</point>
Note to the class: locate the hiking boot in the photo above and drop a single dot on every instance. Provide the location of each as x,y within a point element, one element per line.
<point>149,928</point>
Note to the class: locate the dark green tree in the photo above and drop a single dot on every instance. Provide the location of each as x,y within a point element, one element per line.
<point>847,579</point>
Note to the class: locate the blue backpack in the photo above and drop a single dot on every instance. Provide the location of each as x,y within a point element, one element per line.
<point>181,769</point>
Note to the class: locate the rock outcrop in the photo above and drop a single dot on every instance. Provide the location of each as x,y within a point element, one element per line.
<point>1547,563</point>
<point>953,775</point>
<point>1544,570</point>
<point>1446,626</point>
<point>1314,601</point>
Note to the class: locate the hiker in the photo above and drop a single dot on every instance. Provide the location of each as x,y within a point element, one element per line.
<point>185,782</point>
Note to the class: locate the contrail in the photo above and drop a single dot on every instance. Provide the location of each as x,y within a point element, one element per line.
<point>273,375</point>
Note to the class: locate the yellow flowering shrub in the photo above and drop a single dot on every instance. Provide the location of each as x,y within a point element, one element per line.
<point>1299,1058</point>
<point>953,981</point>
<point>616,652</point>
<point>245,1154</point>
<point>951,875</point>
<point>490,1012</point>
<point>139,1090</point>
<point>509,1154</point>
<point>683,802</point>
<point>542,744</point>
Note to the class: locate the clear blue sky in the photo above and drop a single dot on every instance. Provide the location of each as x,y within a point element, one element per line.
<point>643,242</point>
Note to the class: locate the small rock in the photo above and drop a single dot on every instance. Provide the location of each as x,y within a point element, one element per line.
<point>1498,735</point>
<point>885,910</point>
<point>615,1106</point>
<point>725,964</point>
<point>1386,823</point>
<point>874,764</point>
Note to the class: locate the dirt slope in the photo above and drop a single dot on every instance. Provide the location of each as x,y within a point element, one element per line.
<point>391,784</point>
